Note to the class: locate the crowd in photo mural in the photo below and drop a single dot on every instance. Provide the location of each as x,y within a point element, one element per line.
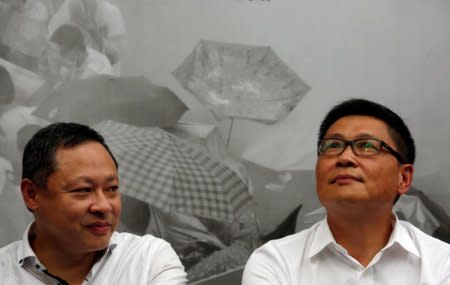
<point>184,196</point>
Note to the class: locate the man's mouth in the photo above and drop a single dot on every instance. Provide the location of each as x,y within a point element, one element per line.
<point>344,179</point>
<point>100,227</point>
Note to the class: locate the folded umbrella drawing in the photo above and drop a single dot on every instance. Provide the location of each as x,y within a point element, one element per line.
<point>170,174</point>
<point>241,81</point>
<point>133,100</point>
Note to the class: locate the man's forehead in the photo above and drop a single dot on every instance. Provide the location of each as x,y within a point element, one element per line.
<point>62,150</point>
<point>358,125</point>
<point>67,157</point>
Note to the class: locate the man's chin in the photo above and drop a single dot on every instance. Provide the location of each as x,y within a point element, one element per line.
<point>346,201</point>
<point>97,243</point>
<point>97,246</point>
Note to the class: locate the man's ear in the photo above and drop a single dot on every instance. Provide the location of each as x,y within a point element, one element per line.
<point>29,194</point>
<point>405,178</point>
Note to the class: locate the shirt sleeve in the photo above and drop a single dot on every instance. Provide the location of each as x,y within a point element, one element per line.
<point>446,279</point>
<point>167,268</point>
<point>265,267</point>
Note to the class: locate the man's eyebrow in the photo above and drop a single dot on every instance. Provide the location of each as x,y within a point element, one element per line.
<point>365,136</point>
<point>82,179</point>
<point>334,136</point>
<point>358,136</point>
<point>88,180</point>
<point>112,178</point>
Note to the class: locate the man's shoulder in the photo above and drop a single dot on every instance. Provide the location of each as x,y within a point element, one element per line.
<point>127,242</point>
<point>8,253</point>
<point>434,253</point>
<point>127,248</point>
<point>277,259</point>
<point>126,237</point>
<point>10,267</point>
<point>292,244</point>
<point>423,239</point>
<point>140,258</point>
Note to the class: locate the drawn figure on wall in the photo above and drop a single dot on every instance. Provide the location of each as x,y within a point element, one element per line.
<point>102,25</point>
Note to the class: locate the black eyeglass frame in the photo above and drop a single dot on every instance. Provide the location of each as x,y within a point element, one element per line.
<point>352,142</point>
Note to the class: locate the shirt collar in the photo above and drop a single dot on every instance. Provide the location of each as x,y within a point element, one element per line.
<point>401,237</point>
<point>323,238</point>
<point>112,243</point>
<point>25,251</point>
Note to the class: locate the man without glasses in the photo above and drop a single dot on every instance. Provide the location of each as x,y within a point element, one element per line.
<point>365,162</point>
<point>70,184</point>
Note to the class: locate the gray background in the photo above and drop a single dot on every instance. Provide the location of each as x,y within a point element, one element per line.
<point>394,52</point>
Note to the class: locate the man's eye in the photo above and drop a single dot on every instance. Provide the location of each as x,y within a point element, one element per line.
<point>366,146</point>
<point>81,190</point>
<point>332,145</point>
<point>113,189</point>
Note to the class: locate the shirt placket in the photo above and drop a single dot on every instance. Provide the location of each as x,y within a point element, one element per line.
<point>97,267</point>
<point>367,276</point>
<point>40,272</point>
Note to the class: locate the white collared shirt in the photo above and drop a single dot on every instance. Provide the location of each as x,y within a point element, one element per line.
<point>312,257</point>
<point>129,259</point>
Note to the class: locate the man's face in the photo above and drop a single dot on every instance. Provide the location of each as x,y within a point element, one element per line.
<point>81,206</point>
<point>348,179</point>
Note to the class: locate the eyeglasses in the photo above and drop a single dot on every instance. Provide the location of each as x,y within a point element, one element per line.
<point>361,147</point>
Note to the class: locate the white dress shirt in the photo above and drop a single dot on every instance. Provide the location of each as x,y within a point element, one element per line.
<point>312,257</point>
<point>129,259</point>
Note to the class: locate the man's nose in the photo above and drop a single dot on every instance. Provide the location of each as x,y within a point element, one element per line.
<point>347,158</point>
<point>101,203</point>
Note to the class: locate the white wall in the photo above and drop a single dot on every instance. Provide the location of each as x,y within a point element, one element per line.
<point>396,52</point>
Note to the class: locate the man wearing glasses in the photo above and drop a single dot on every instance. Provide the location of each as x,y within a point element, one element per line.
<point>365,162</point>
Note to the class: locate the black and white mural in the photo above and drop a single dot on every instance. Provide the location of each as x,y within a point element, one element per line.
<point>242,86</point>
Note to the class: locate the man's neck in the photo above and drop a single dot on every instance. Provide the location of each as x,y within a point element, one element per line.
<point>362,234</point>
<point>60,261</point>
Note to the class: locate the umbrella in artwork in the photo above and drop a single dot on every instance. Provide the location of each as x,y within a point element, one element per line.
<point>133,100</point>
<point>208,138</point>
<point>241,81</point>
<point>170,174</point>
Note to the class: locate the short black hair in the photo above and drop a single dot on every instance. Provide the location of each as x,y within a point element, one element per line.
<point>39,155</point>
<point>362,107</point>
<point>6,86</point>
